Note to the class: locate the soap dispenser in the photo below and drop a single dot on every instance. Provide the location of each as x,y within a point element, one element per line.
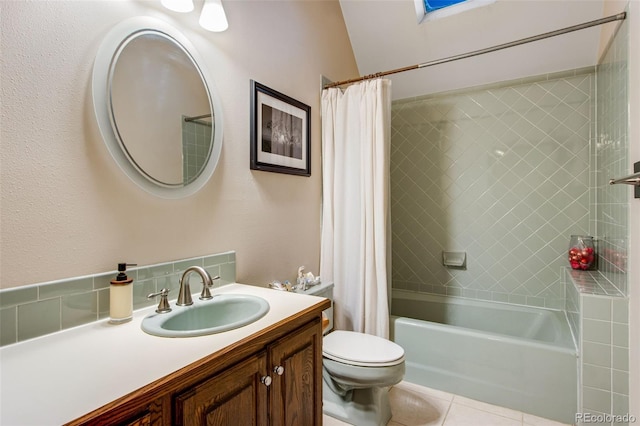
<point>121,296</point>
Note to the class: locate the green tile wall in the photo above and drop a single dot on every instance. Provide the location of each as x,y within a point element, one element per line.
<point>597,307</point>
<point>500,172</point>
<point>196,146</point>
<point>39,309</point>
<point>604,366</point>
<point>611,153</point>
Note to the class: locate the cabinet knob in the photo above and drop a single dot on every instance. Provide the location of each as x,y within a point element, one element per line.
<point>278,369</point>
<point>265,380</point>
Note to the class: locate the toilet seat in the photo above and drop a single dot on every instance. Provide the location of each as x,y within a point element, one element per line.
<point>361,349</point>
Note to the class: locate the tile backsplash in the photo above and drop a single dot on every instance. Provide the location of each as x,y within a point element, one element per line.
<point>35,310</point>
<point>499,171</point>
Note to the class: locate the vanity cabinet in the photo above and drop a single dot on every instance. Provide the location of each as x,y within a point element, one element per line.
<point>278,386</point>
<point>296,368</point>
<point>270,378</point>
<point>237,396</point>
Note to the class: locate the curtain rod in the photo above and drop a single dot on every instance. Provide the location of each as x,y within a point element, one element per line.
<point>612,18</point>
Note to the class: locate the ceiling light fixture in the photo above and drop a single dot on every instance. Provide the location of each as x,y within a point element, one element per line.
<point>182,6</point>
<point>213,17</point>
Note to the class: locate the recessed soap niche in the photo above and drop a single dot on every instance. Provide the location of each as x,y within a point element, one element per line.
<point>454,259</point>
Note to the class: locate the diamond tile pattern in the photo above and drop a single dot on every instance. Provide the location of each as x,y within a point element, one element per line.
<point>501,172</point>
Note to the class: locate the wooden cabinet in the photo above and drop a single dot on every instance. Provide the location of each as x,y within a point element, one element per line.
<point>273,378</point>
<point>134,413</point>
<point>296,367</point>
<point>235,397</point>
<point>281,385</point>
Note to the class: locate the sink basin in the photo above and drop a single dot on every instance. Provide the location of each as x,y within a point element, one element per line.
<point>222,313</point>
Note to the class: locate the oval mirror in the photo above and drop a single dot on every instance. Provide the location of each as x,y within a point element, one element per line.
<point>156,107</point>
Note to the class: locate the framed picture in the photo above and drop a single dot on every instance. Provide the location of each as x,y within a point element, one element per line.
<point>280,132</point>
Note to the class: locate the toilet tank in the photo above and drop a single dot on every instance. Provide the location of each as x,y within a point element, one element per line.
<point>323,290</point>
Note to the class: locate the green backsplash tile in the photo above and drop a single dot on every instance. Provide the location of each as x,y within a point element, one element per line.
<point>216,260</point>
<point>170,282</point>
<point>38,318</point>
<point>103,303</point>
<point>182,265</point>
<point>77,301</point>
<point>103,280</point>
<point>79,309</point>
<point>18,296</point>
<point>228,273</point>
<point>159,271</point>
<point>67,287</point>
<point>8,328</point>
<point>214,271</point>
<point>141,289</point>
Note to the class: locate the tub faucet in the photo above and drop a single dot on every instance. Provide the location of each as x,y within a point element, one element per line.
<point>184,294</point>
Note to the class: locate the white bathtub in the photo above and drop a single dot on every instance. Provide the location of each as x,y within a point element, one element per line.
<point>514,356</point>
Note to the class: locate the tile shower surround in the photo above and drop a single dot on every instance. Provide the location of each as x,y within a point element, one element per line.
<point>39,309</point>
<point>499,171</point>
<point>599,318</point>
<point>596,304</point>
<point>610,154</point>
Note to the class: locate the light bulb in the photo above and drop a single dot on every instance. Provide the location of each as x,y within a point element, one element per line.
<point>213,17</point>
<point>182,6</point>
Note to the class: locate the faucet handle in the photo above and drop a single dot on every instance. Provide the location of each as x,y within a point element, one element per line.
<point>163,306</point>
<point>206,294</point>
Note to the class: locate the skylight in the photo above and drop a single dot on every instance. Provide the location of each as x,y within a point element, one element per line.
<point>428,10</point>
<point>431,5</point>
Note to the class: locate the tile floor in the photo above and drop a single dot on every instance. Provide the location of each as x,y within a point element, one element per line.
<point>414,405</point>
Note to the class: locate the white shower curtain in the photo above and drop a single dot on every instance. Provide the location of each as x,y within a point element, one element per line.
<point>355,243</point>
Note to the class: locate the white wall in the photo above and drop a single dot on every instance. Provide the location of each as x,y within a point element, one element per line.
<point>385,36</point>
<point>66,208</point>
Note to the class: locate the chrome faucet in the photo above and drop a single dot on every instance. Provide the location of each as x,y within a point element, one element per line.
<point>184,294</point>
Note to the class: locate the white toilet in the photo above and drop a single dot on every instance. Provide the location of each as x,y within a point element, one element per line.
<point>358,370</point>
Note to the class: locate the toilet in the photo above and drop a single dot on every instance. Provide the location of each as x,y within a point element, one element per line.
<point>357,370</point>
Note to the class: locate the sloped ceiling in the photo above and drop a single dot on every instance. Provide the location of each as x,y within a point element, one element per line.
<point>385,35</point>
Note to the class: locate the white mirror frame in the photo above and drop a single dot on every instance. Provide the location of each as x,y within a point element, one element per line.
<point>101,104</point>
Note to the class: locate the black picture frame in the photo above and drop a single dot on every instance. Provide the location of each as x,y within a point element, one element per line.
<point>280,132</point>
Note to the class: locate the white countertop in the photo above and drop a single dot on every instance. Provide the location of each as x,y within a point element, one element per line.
<point>59,377</point>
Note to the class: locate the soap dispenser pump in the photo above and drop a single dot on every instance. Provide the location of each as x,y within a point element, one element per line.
<point>121,296</point>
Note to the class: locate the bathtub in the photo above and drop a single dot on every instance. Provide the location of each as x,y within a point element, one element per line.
<point>514,356</point>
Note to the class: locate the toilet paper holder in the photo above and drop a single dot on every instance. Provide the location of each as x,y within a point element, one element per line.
<point>454,259</point>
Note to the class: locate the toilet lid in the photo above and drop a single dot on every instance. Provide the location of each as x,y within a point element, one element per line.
<point>355,348</point>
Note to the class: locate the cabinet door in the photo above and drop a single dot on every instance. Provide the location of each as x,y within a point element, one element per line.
<point>296,368</point>
<point>235,397</point>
